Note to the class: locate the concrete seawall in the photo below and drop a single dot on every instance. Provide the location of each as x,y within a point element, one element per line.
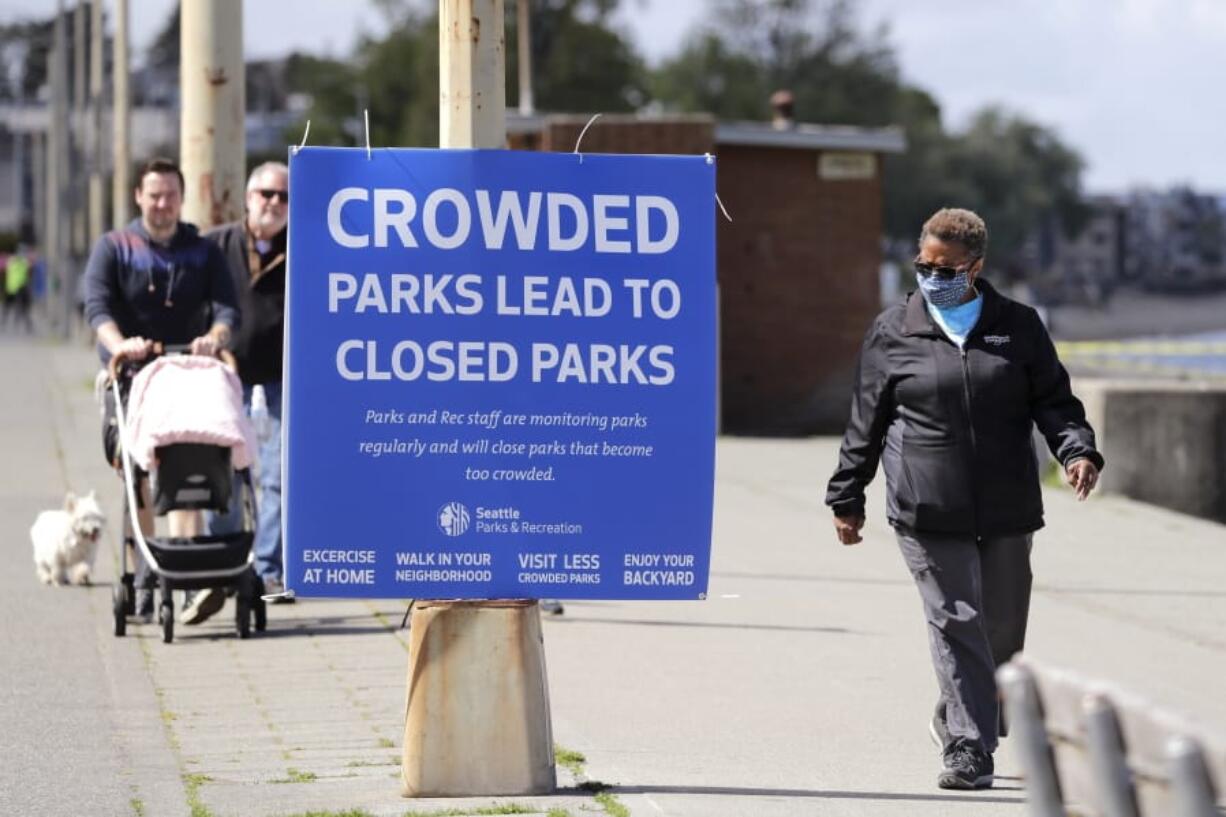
<point>1164,441</point>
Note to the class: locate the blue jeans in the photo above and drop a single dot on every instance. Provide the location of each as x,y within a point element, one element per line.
<point>268,525</point>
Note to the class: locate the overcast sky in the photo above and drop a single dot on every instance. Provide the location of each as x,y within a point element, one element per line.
<point>1134,85</point>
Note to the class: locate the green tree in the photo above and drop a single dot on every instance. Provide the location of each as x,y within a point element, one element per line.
<point>580,63</point>
<point>835,73</point>
<point>398,78</point>
<point>1016,174</point>
<point>709,75</point>
<point>330,88</point>
<point>162,55</point>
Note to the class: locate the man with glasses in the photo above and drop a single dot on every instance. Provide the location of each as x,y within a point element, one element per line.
<point>949,386</point>
<point>254,248</point>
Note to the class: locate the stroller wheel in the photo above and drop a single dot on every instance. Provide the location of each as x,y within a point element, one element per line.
<point>129,588</point>
<point>119,607</point>
<point>166,613</point>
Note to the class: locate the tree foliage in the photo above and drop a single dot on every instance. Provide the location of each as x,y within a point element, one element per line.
<point>1016,173</point>
<point>25,49</point>
<point>580,63</point>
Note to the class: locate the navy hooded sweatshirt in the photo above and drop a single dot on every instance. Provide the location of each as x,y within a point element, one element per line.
<point>171,293</point>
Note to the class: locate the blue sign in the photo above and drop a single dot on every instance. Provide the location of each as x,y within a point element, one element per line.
<point>500,375</point>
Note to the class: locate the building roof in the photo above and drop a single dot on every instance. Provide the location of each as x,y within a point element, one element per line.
<point>812,137</point>
<point>518,123</point>
<point>750,134</point>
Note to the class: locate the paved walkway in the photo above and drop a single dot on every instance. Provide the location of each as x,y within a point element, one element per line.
<point>800,687</point>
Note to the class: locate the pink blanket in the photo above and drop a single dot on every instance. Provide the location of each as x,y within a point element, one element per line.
<point>188,399</point>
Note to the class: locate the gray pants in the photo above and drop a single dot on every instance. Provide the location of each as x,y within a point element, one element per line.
<point>976,596</point>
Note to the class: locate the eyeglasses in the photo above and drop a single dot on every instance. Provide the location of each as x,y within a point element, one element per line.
<point>280,195</point>
<point>927,270</point>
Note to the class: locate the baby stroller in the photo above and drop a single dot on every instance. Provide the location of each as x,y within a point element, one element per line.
<point>184,476</point>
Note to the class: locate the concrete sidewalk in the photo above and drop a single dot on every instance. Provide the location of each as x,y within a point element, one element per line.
<point>801,687</point>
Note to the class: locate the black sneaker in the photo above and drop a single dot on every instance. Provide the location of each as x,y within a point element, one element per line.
<point>552,607</point>
<point>966,767</point>
<point>203,604</point>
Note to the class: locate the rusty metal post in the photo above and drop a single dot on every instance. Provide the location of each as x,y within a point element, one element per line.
<point>212,135</point>
<point>477,712</point>
<point>472,71</point>
<point>121,160</point>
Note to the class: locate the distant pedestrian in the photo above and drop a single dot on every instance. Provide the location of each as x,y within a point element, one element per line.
<point>255,252</point>
<point>949,386</point>
<point>17,290</point>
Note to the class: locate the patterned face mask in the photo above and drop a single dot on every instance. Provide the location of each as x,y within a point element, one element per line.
<point>943,292</point>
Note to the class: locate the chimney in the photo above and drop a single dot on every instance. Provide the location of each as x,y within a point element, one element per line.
<point>783,103</point>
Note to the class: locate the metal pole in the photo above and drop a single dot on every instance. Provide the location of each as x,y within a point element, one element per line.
<point>38,189</point>
<point>1112,777</point>
<point>1043,797</point>
<point>59,211</point>
<point>20,157</point>
<point>212,134</point>
<point>476,676</point>
<point>1193,788</point>
<point>50,198</point>
<point>121,161</point>
<point>80,141</point>
<point>472,71</point>
<point>97,201</point>
<point>523,30</point>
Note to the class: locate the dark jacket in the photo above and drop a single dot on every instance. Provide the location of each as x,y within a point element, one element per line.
<point>259,280</point>
<point>953,428</point>
<point>171,293</point>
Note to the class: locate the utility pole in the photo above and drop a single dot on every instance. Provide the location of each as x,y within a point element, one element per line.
<point>97,176</point>
<point>59,219</point>
<point>38,187</point>
<point>477,715</point>
<point>80,133</point>
<point>523,30</point>
<point>50,197</point>
<point>212,132</point>
<point>472,71</point>
<point>121,161</point>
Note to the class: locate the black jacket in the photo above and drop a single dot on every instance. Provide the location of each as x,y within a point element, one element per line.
<point>259,280</point>
<point>172,293</point>
<point>953,427</point>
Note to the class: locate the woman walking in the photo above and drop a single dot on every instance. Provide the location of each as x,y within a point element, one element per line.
<point>949,385</point>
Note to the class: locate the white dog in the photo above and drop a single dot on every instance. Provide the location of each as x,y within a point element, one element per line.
<point>65,541</point>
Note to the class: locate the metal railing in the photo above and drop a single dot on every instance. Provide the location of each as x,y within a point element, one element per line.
<point>1090,749</point>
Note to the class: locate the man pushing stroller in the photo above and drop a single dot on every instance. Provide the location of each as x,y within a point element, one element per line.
<point>157,280</point>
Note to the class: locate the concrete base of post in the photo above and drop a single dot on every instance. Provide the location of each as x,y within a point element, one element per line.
<point>477,716</point>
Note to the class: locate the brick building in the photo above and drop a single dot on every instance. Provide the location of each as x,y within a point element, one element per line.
<point>797,265</point>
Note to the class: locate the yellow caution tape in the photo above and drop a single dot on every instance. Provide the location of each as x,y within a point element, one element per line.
<point>1140,347</point>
